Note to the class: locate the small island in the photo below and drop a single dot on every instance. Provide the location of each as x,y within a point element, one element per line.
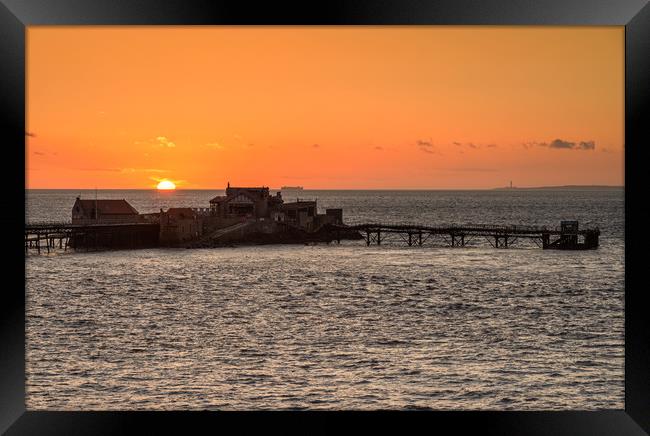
<point>244,215</point>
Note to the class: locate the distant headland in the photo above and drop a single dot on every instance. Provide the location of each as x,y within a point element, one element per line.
<point>561,188</point>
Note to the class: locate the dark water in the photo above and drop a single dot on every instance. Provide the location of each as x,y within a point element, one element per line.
<point>335,327</point>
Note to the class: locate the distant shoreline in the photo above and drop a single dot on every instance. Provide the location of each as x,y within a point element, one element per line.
<point>561,188</point>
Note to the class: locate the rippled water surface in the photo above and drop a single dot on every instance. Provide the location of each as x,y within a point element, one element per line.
<point>335,327</point>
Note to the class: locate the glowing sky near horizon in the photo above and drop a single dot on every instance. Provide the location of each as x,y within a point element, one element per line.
<point>423,107</point>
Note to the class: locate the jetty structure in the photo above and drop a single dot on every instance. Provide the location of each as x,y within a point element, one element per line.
<point>252,215</point>
<point>565,237</point>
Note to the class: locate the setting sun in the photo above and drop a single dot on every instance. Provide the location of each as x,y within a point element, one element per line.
<point>166,185</point>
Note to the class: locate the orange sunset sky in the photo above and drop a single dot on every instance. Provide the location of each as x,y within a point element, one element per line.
<point>324,107</point>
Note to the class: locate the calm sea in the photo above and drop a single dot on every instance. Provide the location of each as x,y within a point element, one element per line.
<point>334,326</point>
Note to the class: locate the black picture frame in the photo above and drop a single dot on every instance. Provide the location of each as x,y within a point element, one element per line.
<point>15,15</point>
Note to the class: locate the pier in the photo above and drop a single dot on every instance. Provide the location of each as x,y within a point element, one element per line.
<point>50,236</point>
<point>45,237</point>
<point>253,216</point>
<point>565,237</point>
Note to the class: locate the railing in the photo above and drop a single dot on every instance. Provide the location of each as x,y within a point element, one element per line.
<point>406,226</point>
<point>202,210</point>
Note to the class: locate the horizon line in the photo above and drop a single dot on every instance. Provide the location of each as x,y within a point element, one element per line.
<point>343,189</point>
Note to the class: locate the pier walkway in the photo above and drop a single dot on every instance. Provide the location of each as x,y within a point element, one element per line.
<point>565,237</point>
<point>47,236</point>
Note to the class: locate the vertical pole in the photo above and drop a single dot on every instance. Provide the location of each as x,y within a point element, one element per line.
<point>420,238</point>
<point>378,237</point>
<point>410,241</point>
<point>462,240</point>
<point>38,242</point>
<point>367,238</point>
<point>453,240</point>
<point>47,239</point>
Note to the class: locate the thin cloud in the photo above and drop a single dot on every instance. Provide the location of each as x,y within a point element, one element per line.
<point>561,144</point>
<point>379,147</point>
<point>215,145</point>
<point>33,135</point>
<point>315,145</point>
<point>427,146</point>
<point>162,140</point>
<point>158,141</point>
<point>582,145</point>
<point>558,143</point>
<point>471,145</point>
<point>111,170</point>
<point>176,182</point>
<point>143,170</point>
<point>587,145</point>
<point>39,153</point>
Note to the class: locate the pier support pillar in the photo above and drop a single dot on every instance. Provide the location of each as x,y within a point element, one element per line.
<point>546,240</point>
<point>410,239</point>
<point>378,237</point>
<point>367,238</point>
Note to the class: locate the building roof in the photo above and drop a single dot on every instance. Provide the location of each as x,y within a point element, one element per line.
<point>107,207</point>
<point>249,188</point>
<point>218,199</point>
<point>254,192</point>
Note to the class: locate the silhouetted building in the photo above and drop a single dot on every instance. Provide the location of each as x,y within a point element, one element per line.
<point>257,203</point>
<point>335,216</point>
<point>254,202</point>
<point>179,224</point>
<point>103,211</point>
<point>299,213</point>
